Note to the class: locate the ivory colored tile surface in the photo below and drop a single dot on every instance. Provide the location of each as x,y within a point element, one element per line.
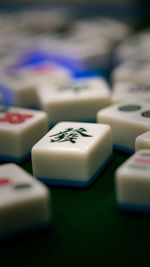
<point>137,44</point>
<point>133,182</point>
<point>24,202</point>
<point>17,89</point>
<point>143,141</point>
<point>132,71</point>
<point>46,72</point>
<point>20,129</point>
<point>77,100</point>
<point>124,91</point>
<point>18,84</point>
<point>72,153</point>
<point>127,120</point>
<point>111,29</point>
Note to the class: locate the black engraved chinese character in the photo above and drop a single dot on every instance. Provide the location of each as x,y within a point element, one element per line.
<point>140,88</point>
<point>74,88</point>
<point>69,134</point>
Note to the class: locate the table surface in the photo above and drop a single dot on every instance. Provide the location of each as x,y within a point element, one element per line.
<point>88,229</point>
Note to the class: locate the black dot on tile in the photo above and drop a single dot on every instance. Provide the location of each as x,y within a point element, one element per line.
<point>146,114</point>
<point>129,108</point>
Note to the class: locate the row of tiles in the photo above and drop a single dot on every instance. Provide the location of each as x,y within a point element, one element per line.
<point>21,128</point>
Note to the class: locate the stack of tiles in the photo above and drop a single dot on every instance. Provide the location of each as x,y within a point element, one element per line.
<point>143,141</point>
<point>20,129</point>
<point>133,182</point>
<point>24,202</point>
<point>75,101</point>
<point>127,120</point>
<point>72,154</point>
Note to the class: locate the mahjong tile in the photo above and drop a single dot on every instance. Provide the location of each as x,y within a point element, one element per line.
<point>132,71</point>
<point>72,154</point>
<point>133,46</point>
<point>18,90</point>
<point>45,72</point>
<point>133,182</point>
<point>41,22</point>
<point>24,202</point>
<point>76,100</point>
<point>126,90</point>
<point>20,129</point>
<point>143,141</point>
<point>127,120</point>
<point>105,27</point>
<point>113,29</point>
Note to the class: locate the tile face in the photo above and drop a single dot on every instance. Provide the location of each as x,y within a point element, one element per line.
<point>20,129</point>
<point>72,153</point>
<point>143,141</point>
<point>77,100</point>
<point>124,90</point>
<point>24,202</point>
<point>127,120</point>
<point>45,71</point>
<point>133,182</point>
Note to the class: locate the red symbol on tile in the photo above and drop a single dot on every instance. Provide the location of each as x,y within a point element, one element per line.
<point>15,118</point>
<point>4,181</point>
<point>43,69</point>
<point>141,160</point>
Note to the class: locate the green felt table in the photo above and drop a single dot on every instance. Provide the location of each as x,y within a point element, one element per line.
<point>88,229</point>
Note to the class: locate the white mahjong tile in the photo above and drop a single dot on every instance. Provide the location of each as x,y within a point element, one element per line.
<point>134,47</point>
<point>19,84</point>
<point>143,141</point>
<point>18,89</point>
<point>20,129</point>
<point>8,43</point>
<point>76,100</point>
<point>106,27</point>
<point>128,120</point>
<point>72,153</point>
<point>131,47</point>
<point>126,90</point>
<point>24,202</point>
<point>133,182</point>
<point>40,22</point>
<point>46,72</point>
<point>113,29</point>
<point>132,71</point>
<point>7,56</point>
